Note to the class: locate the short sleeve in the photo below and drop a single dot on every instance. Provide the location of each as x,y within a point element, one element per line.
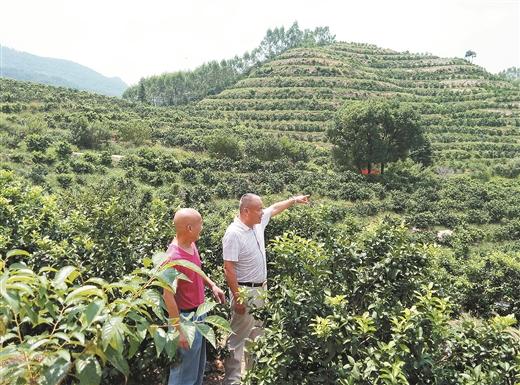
<point>266,217</point>
<point>230,246</point>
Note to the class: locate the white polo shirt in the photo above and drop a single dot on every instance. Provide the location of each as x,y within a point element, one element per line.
<point>246,247</point>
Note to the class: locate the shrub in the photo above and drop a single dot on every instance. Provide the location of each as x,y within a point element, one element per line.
<point>65,180</point>
<point>358,311</point>
<point>63,150</point>
<point>88,135</point>
<point>56,329</point>
<point>224,145</point>
<point>189,175</point>
<point>37,142</point>
<point>82,166</point>
<point>493,284</point>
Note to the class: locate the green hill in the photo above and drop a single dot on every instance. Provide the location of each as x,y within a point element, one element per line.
<point>468,113</point>
<point>386,271</point>
<point>57,72</point>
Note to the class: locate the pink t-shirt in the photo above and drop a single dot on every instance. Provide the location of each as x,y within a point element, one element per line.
<point>189,294</point>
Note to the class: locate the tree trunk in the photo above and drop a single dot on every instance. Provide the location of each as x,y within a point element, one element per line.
<point>382,167</point>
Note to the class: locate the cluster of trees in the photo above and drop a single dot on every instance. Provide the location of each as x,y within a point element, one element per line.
<point>182,87</point>
<point>512,73</point>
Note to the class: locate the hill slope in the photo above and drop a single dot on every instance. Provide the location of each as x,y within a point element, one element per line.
<point>57,72</point>
<point>468,112</point>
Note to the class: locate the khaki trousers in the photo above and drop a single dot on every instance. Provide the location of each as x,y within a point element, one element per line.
<point>245,328</point>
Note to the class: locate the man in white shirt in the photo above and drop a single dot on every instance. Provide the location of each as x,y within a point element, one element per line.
<point>245,268</point>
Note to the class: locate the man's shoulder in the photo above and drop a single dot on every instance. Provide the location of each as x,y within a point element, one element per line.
<point>234,228</point>
<point>174,252</point>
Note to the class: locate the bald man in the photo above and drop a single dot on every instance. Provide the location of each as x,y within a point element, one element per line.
<point>188,297</point>
<point>245,268</point>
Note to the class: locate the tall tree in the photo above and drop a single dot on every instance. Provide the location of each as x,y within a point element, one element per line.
<point>470,54</point>
<point>375,131</point>
<point>142,91</point>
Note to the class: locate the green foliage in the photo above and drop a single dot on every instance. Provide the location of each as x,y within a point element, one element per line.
<point>360,312</point>
<point>37,142</point>
<point>88,135</point>
<point>63,150</point>
<point>56,328</point>
<point>104,211</point>
<point>375,131</point>
<point>509,169</point>
<point>224,145</point>
<point>267,149</point>
<point>485,284</point>
<point>105,231</point>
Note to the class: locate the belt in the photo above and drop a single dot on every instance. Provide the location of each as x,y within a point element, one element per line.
<point>193,309</point>
<point>251,284</point>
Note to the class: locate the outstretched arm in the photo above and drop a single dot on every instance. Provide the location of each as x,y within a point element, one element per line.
<point>279,207</point>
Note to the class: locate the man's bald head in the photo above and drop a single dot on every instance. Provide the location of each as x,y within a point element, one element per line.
<point>249,200</point>
<point>250,209</point>
<point>188,223</point>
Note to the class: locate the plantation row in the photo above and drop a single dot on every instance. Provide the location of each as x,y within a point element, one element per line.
<point>363,293</point>
<point>94,185</point>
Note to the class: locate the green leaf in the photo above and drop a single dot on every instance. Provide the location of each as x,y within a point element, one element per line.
<point>186,264</point>
<point>84,291</point>
<point>37,344</point>
<point>134,343</point>
<point>79,336</point>
<point>160,340</point>
<point>17,252</point>
<point>206,307</point>
<point>21,288</point>
<point>88,371</point>
<point>169,275</point>
<point>153,297</point>
<point>219,322</point>
<point>62,336</point>
<point>172,341</point>
<point>111,333</point>
<point>55,373</point>
<point>33,316</point>
<point>159,259</point>
<point>92,311</point>
<point>65,354</point>
<point>8,352</point>
<point>189,330</point>
<point>11,299</point>
<point>207,332</point>
<point>98,281</point>
<point>117,360</point>
<point>62,275</point>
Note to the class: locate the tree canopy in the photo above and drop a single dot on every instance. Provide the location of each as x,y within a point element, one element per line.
<point>182,87</point>
<point>375,131</point>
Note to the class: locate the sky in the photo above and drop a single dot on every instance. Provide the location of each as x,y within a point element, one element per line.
<point>134,39</point>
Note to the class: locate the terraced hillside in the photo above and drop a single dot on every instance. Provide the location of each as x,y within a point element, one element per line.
<point>468,112</point>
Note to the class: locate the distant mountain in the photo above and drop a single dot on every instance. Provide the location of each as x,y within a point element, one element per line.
<point>57,72</point>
